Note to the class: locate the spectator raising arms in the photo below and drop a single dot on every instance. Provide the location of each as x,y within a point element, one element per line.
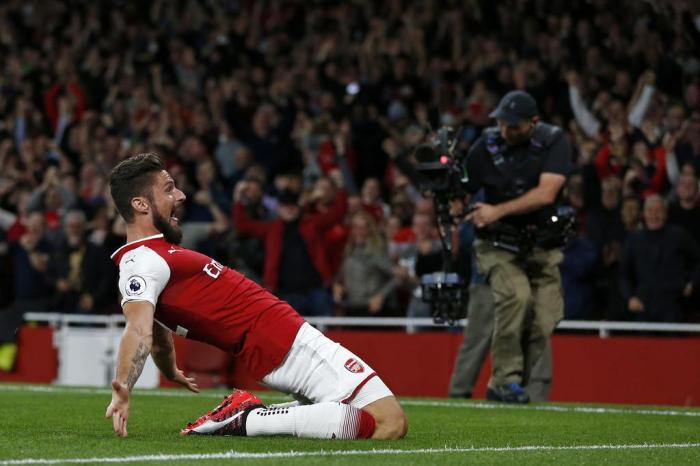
<point>258,90</point>
<point>296,266</point>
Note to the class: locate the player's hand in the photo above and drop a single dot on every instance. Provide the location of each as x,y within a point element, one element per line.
<point>187,382</point>
<point>484,214</point>
<point>118,409</point>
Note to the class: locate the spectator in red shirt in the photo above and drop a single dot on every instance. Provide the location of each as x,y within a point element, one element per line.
<point>321,200</point>
<point>296,264</point>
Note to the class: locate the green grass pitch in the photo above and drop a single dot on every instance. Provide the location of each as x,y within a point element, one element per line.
<point>61,425</point>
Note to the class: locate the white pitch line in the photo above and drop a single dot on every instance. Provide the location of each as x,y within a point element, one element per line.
<point>232,454</point>
<point>405,402</point>
<point>548,407</point>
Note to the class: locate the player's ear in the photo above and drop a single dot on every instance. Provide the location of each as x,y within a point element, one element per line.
<point>140,205</point>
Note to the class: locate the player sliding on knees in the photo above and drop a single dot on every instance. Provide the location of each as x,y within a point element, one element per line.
<point>166,288</point>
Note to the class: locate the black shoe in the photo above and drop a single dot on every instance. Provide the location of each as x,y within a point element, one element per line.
<point>510,393</point>
<point>466,396</point>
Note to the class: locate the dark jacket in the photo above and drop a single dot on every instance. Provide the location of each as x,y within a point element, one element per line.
<point>655,267</point>
<point>689,219</point>
<point>605,227</point>
<point>577,278</point>
<point>97,275</point>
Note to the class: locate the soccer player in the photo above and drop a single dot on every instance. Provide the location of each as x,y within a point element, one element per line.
<point>166,288</point>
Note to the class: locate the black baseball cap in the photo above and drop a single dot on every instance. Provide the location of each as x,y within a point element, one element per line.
<point>515,107</point>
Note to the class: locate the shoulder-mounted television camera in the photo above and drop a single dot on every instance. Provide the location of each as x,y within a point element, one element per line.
<point>440,166</point>
<point>441,176</point>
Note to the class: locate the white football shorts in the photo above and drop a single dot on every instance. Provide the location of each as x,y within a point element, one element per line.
<point>317,369</point>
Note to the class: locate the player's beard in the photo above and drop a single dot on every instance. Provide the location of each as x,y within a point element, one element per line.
<point>171,233</point>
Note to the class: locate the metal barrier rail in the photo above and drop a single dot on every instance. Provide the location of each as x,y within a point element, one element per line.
<point>60,318</point>
<point>603,327</point>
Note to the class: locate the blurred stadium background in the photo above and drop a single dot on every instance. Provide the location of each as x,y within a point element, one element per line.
<point>279,96</point>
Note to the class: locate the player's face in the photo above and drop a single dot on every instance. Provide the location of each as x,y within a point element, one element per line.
<point>167,198</point>
<point>517,133</point>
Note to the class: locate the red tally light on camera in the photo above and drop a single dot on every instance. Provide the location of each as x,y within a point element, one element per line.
<point>444,159</point>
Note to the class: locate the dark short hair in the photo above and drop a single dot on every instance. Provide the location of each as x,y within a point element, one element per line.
<point>131,178</point>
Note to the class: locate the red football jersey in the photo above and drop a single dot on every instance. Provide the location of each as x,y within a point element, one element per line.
<point>196,297</point>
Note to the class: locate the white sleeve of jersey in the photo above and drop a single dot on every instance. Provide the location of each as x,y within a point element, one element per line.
<point>143,275</point>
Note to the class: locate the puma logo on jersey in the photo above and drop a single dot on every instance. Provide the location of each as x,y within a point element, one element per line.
<point>173,250</point>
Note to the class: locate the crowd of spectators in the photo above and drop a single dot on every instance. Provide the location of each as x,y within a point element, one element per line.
<point>283,121</point>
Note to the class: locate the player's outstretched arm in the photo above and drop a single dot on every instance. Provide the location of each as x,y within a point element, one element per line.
<point>163,353</point>
<point>134,348</point>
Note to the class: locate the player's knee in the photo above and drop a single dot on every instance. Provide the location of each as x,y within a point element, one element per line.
<point>398,426</point>
<point>392,426</point>
<point>404,426</point>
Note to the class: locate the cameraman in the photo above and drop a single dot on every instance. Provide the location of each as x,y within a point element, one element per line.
<point>521,165</point>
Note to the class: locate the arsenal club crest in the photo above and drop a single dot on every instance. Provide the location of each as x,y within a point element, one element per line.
<point>354,366</point>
